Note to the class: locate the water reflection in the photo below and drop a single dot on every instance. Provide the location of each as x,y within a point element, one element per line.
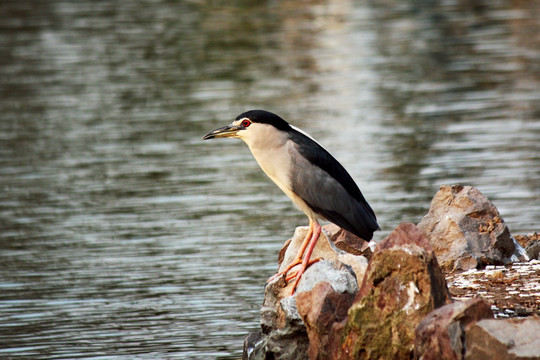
<point>122,233</point>
<point>459,95</point>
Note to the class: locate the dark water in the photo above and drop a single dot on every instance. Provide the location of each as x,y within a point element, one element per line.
<point>122,235</point>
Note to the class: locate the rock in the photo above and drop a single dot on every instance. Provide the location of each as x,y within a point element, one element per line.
<point>520,254</point>
<point>283,333</point>
<point>342,280</point>
<point>252,346</point>
<point>465,229</point>
<point>325,249</point>
<point>320,308</point>
<point>324,293</point>
<point>510,290</point>
<point>527,239</point>
<point>277,311</point>
<point>347,241</point>
<point>402,284</point>
<point>531,243</point>
<point>441,334</point>
<point>504,339</point>
<point>292,324</point>
<point>533,250</point>
<point>400,309</point>
<point>358,264</point>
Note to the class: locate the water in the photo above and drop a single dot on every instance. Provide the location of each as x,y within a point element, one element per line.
<point>124,236</point>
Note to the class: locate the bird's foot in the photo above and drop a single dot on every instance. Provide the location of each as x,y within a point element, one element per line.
<point>284,272</point>
<point>300,272</point>
<point>297,274</point>
<point>293,275</point>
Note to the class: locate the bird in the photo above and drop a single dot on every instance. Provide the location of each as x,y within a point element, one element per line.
<point>308,174</point>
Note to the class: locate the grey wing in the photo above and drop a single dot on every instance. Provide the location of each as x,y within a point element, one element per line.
<point>329,199</point>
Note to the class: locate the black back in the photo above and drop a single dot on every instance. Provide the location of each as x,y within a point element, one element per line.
<point>352,214</point>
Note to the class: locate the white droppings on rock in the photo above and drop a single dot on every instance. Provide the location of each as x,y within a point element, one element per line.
<point>411,305</point>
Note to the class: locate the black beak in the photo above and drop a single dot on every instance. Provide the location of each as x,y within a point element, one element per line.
<point>226,131</point>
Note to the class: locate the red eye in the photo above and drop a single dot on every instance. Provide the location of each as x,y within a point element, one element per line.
<point>246,123</point>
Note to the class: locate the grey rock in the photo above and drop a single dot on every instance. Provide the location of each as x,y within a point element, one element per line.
<point>533,250</point>
<point>283,333</point>
<point>323,271</point>
<point>288,305</point>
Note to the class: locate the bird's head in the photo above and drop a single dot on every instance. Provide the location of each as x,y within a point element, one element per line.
<point>252,126</point>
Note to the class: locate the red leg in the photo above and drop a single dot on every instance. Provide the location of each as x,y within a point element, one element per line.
<point>298,259</point>
<point>305,261</point>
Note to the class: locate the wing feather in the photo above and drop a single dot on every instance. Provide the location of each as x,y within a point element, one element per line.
<point>328,189</point>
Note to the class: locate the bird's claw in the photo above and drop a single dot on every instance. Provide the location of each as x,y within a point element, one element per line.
<point>297,274</point>
<point>284,272</point>
<point>310,262</point>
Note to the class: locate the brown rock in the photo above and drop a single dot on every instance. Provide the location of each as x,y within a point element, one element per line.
<point>403,283</point>
<point>406,234</point>
<point>320,308</point>
<point>441,334</point>
<point>347,241</point>
<point>465,229</point>
<point>504,339</point>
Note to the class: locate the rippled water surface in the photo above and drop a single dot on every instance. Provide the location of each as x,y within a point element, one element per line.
<point>123,234</point>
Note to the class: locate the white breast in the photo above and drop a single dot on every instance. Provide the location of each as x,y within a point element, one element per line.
<point>272,150</point>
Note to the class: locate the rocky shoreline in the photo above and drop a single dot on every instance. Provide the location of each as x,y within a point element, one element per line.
<point>455,286</point>
<point>511,291</point>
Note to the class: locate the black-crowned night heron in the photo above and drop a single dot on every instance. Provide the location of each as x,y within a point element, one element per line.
<point>312,178</point>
